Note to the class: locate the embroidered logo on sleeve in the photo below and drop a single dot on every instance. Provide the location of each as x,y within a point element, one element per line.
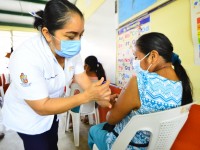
<point>24,80</point>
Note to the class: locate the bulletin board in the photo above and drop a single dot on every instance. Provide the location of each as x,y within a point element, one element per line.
<point>127,35</point>
<point>126,38</point>
<point>195,20</point>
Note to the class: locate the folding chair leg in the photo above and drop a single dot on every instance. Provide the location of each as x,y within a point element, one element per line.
<point>97,116</point>
<point>76,127</point>
<point>67,121</point>
<point>91,119</point>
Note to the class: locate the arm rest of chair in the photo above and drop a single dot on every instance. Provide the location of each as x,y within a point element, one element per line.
<point>135,124</point>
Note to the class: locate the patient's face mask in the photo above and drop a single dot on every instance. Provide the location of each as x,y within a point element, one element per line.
<point>68,48</point>
<point>136,64</point>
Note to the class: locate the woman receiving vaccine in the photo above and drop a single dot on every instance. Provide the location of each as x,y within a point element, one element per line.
<point>160,82</point>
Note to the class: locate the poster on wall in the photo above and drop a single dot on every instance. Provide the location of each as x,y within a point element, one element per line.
<point>128,8</point>
<point>126,38</point>
<point>195,20</point>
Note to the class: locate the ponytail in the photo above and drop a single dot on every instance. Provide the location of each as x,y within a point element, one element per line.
<point>100,71</point>
<point>182,75</point>
<point>95,66</point>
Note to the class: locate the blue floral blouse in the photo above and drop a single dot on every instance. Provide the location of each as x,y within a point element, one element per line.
<point>156,94</point>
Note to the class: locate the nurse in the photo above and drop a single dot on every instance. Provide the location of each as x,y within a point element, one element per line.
<point>40,69</point>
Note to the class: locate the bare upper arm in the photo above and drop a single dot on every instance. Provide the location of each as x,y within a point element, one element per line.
<point>127,101</point>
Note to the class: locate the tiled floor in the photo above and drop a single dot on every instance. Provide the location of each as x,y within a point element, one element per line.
<point>11,141</point>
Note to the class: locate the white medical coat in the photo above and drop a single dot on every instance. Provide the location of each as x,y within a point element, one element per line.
<point>35,74</point>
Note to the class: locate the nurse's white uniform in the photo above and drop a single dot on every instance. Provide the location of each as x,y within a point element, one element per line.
<point>35,74</point>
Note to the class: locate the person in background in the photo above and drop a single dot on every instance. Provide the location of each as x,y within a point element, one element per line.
<point>5,71</point>
<point>4,61</point>
<point>2,134</point>
<point>160,83</point>
<point>40,69</point>
<point>9,54</point>
<point>95,71</point>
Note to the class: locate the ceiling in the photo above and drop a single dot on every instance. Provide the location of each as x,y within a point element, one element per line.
<point>16,12</point>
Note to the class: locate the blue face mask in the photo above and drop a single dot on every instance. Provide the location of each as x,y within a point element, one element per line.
<point>68,48</point>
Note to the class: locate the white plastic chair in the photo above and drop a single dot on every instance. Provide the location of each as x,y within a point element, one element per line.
<point>4,83</point>
<point>1,86</point>
<point>85,109</point>
<point>164,127</point>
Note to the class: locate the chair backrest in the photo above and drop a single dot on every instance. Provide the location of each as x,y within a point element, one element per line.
<point>164,127</point>
<point>1,93</point>
<point>1,87</point>
<point>86,108</point>
<point>115,89</point>
<point>189,135</point>
<point>4,84</point>
<point>74,87</point>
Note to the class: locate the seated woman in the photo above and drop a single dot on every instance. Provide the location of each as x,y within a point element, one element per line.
<point>95,71</point>
<point>156,86</point>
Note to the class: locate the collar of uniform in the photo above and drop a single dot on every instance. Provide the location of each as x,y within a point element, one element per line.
<point>47,49</point>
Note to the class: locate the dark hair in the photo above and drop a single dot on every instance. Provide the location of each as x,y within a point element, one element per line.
<point>55,15</point>
<point>95,66</point>
<point>11,50</point>
<point>159,42</point>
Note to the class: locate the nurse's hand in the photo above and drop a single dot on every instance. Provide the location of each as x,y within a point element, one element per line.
<point>110,104</point>
<point>104,103</point>
<point>100,92</point>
